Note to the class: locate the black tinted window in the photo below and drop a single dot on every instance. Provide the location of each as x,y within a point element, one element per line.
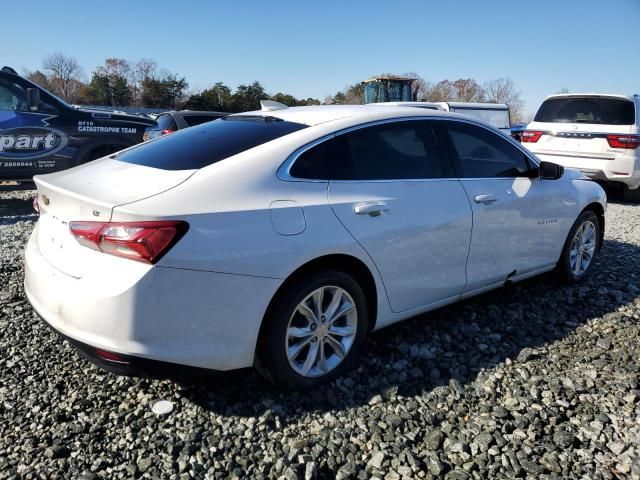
<point>208,143</point>
<point>12,96</point>
<point>484,154</point>
<point>394,151</point>
<point>610,111</point>
<point>166,122</point>
<point>192,120</point>
<point>405,150</point>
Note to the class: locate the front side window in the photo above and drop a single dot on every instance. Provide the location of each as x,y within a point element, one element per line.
<point>481,153</point>
<point>12,96</point>
<point>393,151</point>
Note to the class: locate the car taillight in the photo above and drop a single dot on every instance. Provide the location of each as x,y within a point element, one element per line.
<point>624,141</point>
<point>141,241</point>
<point>531,136</point>
<point>36,206</point>
<point>167,131</point>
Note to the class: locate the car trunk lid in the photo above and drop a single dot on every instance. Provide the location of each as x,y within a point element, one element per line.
<point>90,193</point>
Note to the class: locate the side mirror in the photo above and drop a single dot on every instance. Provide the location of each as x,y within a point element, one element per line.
<point>33,99</point>
<point>550,171</point>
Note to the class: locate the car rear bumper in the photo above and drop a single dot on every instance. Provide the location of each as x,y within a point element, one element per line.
<point>185,317</point>
<point>625,170</point>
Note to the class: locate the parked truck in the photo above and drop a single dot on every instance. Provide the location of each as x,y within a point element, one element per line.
<point>40,133</point>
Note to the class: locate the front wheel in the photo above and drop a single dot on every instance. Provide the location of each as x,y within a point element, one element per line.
<point>581,247</point>
<point>315,332</point>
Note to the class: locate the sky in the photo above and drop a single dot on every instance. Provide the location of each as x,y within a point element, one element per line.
<point>316,48</point>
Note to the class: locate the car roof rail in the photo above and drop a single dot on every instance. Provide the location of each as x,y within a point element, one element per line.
<point>271,105</point>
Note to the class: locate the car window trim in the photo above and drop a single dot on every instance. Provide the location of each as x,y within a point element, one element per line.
<point>284,171</point>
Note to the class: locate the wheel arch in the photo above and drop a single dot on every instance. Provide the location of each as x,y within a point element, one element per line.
<point>598,209</point>
<point>340,262</point>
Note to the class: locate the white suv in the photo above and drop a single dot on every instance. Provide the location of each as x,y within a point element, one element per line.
<point>596,134</point>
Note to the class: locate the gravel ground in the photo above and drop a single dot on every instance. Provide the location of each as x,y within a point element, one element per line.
<point>535,380</point>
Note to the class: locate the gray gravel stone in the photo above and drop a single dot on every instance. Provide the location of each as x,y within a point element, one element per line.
<point>536,380</point>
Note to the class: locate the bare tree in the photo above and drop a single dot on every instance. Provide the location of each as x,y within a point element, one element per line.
<point>419,85</point>
<point>502,90</point>
<point>443,91</point>
<point>468,90</point>
<point>144,69</point>
<point>115,67</point>
<point>65,75</point>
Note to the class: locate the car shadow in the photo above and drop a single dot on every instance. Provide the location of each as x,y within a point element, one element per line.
<point>447,347</point>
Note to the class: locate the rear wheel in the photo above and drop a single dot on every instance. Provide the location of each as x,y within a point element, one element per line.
<point>315,332</point>
<point>581,247</point>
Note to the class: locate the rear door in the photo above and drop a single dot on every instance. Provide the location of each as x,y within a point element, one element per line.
<point>519,222</point>
<point>392,191</point>
<point>578,126</point>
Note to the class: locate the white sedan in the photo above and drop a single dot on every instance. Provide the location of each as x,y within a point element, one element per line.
<point>280,238</point>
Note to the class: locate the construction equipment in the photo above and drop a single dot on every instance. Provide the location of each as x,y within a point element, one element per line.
<point>388,89</point>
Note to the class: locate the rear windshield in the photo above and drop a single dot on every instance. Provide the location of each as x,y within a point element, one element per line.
<point>203,145</point>
<point>610,111</point>
<point>166,122</point>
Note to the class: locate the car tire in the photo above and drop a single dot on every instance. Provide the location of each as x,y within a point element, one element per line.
<point>289,342</point>
<point>580,248</point>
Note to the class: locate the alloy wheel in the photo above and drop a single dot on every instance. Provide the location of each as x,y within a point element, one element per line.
<point>583,247</point>
<point>321,331</point>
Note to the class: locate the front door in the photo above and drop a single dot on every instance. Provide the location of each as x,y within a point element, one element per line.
<point>518,221</point>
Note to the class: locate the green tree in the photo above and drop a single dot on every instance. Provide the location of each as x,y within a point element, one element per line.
<point>120,91</point>
<point>216,98</point>
<point>164,91</point>
<point>286,99</point>
<point>247,97</point>
<point>339,99</point>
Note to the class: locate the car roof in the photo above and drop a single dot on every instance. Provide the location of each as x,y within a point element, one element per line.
<point>317,114</point>
<point>478,105</point>
<point>592,94</point>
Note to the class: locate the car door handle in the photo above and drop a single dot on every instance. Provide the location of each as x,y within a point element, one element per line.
<point>372,209</point>
<point>485,198</point>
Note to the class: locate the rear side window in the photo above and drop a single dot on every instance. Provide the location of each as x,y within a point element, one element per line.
<point>609,111</point>
<point>405,150</point>
<point>197,147</point>
<point>166,122</point>
<point>192,120</point>
<point>484,154</point>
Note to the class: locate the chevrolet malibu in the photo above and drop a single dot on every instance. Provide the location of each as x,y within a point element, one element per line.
<point>280,238</point>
